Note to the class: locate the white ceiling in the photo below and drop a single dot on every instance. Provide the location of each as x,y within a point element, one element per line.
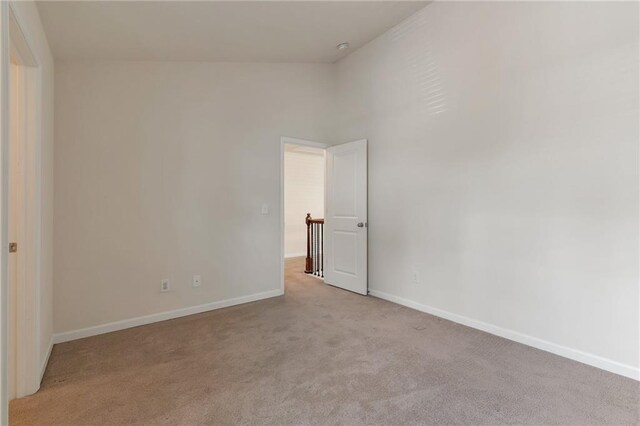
<point>233,31</point>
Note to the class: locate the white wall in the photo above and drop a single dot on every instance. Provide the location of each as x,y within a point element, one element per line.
<point>303,193</point>
<point>503,169</point>
<point>29,20</point>
<point>503,148</point>
<point>161,170</point>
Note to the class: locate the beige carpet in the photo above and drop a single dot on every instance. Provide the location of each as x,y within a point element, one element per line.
<point>318,355</point>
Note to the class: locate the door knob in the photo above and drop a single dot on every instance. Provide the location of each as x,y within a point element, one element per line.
<point>360,225</point>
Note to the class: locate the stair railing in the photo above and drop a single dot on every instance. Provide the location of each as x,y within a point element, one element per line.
<point>315,241</point>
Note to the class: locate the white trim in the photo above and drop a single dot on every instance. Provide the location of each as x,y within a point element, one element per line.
<point>294,141</point>
<point>45,361</point>
<point>162,316</point>
<point>573,354</point>
<point>290,255</point>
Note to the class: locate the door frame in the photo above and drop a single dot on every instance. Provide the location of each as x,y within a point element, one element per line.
<point>16,46</point>
<point>289,141</point>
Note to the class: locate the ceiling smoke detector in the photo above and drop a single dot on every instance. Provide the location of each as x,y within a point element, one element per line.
<point>342,46</point>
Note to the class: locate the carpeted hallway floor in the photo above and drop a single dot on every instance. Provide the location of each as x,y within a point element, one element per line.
<point>318,355</point>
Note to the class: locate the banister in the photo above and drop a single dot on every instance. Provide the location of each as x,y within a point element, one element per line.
<point>315,250</point>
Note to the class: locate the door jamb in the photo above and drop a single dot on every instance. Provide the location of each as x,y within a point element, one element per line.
<point>289,141</point>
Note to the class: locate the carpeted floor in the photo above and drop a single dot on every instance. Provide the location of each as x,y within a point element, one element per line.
<point>318,355</point>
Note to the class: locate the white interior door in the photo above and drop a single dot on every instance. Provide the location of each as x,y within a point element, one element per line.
<point>15,201</point>
<point>345,230</point>
<point>23,360</point>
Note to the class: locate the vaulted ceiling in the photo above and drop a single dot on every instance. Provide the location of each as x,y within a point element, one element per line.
<point>230,31</point>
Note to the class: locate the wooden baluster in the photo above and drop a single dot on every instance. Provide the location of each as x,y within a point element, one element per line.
<point>322,250</point>
<point>319,248</point>
<point>307,261</point>
<point>313,248</point>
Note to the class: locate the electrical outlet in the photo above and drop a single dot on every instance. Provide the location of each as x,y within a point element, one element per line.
<point>415,276</point>
<point>164,285</point>
<point>197,280</point>
<point>265,209</point>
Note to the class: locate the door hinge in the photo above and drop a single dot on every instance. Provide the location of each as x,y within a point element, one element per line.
<point>13,247</point>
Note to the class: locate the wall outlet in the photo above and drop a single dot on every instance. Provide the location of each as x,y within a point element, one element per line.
<point>164,285</point>
<point>197,280</point>
<point>265,209</point>
<point>414,276</point>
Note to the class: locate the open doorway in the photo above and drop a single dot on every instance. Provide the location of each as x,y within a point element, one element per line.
<point>303,186</point>
<point>333,246</point>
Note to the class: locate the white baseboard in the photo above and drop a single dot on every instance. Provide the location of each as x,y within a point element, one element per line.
<point>162,316</point>
<point>287,256</point>
<point>574,354</point>
<point>43,366</point>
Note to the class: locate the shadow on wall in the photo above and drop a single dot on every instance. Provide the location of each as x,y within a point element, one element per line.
<point>426,81</point>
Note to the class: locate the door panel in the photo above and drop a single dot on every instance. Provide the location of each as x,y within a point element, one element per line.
<point>346,217</point>
<point>13,228</point>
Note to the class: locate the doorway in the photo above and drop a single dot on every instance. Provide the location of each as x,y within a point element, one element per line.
<point>332,247</point>
<point>303,189</point>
